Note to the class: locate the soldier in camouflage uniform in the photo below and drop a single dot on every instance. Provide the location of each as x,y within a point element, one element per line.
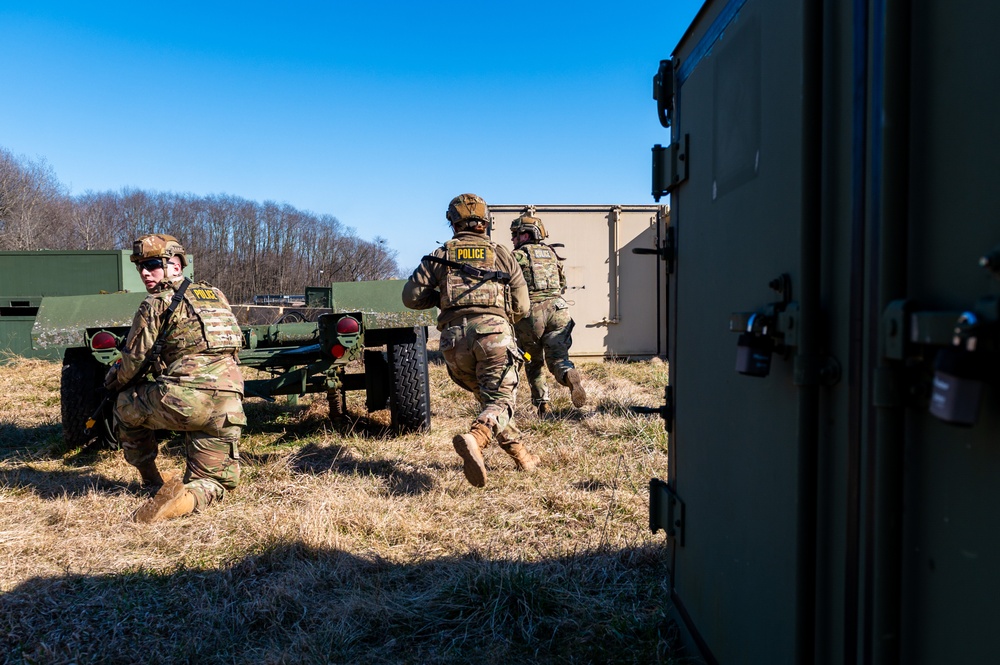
<point>480,291</point>
<point>197,387</point>
<point>545,334</point>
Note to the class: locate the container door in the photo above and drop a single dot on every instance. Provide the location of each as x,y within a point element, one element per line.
<point>737,216</point>
<point>951,529</point>
<point>615,295</point>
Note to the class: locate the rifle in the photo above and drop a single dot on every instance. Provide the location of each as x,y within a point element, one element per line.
<point>151,357</point>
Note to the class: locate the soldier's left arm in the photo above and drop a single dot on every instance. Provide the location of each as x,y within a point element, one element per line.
<point>420,291</point>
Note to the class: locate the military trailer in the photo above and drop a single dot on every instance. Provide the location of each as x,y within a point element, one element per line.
<point>833,405</point>
<point>361,339</point>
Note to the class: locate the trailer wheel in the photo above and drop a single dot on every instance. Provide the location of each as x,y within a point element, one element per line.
<point>80,394</point>
<point>409,399</point>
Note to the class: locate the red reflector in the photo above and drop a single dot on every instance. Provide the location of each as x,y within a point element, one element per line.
<point>103,340</point>
<point>337,351</point>
<point>348,326</point>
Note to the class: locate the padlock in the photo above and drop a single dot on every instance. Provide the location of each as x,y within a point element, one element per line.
<point>753,354</point>
<point>958,384</point>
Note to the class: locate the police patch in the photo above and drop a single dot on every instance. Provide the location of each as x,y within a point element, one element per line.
<point>471,254</point>
<point>204,294</point>
<point>542,253</point>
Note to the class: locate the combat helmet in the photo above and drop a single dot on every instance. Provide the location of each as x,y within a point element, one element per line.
<point>528,224</point>
<point>466,210</point>
<point>157,246</point>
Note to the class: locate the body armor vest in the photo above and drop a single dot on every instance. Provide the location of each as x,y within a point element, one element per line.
<point>212,328</point>
<point>463,290</point>
<point>541,270</point>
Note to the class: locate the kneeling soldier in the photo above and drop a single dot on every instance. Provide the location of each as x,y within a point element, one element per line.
<point>186,337</point>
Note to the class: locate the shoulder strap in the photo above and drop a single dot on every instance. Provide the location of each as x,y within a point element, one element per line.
<point>553,248</point>
<point>154,353</point>
<point>161,339</point>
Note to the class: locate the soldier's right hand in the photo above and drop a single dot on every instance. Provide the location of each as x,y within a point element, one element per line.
<point>111,378</point>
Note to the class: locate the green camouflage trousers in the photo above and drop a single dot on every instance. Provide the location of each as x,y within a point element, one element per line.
<point>482,358</point>
<point>545,335</point>
<point>210,420</point>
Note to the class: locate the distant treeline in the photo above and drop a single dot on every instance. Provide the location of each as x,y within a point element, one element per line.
<point>243,247</point>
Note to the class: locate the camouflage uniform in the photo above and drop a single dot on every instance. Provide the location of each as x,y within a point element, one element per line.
<point>545,334</point>
<point>477,340</point>
<point>198,387</point>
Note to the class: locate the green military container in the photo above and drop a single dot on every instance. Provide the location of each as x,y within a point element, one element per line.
<point>27,277</point>
<point>833,407</point>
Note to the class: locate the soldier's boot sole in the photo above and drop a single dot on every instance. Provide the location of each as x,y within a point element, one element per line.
<point>173,500</point>
<point>576,391</point>
<point>472,459</point>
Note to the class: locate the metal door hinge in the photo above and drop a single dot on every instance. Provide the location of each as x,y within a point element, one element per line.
<point>670,166</point>
<point>666,510</point>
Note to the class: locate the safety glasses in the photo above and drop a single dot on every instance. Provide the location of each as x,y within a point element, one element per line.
<point>150,265</point>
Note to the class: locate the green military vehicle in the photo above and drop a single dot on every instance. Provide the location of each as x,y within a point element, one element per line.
<point>834,331</point>
<point>352,336</point>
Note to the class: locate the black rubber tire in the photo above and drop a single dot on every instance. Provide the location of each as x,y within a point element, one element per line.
<point>81,392</point>
<point>409,400</point>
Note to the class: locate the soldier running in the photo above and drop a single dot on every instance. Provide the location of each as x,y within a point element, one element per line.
<point>545,334</point>
<point>480,292</point>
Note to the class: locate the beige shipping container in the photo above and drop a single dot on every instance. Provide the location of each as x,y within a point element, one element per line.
<point>616,297</point>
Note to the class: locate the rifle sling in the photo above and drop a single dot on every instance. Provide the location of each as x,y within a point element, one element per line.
<point>478,273</point>
<point>154,353</point>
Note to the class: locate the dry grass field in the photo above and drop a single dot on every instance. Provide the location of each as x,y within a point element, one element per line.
<point>343,543</point>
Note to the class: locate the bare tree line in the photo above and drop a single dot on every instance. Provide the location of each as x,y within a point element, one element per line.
<point>244,247</point>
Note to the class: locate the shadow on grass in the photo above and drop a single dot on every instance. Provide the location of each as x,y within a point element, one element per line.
<point>303,420</point>
<point>315,459</point>
<point>16,441</point>
<point>289,421</point>
<point>78,478</point>
<point>71,483</point>
<point>296,604</point>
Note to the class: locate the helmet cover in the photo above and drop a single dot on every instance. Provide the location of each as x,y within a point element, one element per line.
<point>531,225</point>
<point>157,246</point>
<point>467,208</point>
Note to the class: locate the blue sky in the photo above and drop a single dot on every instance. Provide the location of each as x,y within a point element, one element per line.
<point>377,113</point>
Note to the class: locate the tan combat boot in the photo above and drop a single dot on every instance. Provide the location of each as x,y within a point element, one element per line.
<point>173,500</point>
<point>469,447</point>
<point>576,391</point>
<point>149,474</point>
<point>524,460</point>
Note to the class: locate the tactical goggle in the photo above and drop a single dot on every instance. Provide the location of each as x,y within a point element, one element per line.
<point>150,265</point>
